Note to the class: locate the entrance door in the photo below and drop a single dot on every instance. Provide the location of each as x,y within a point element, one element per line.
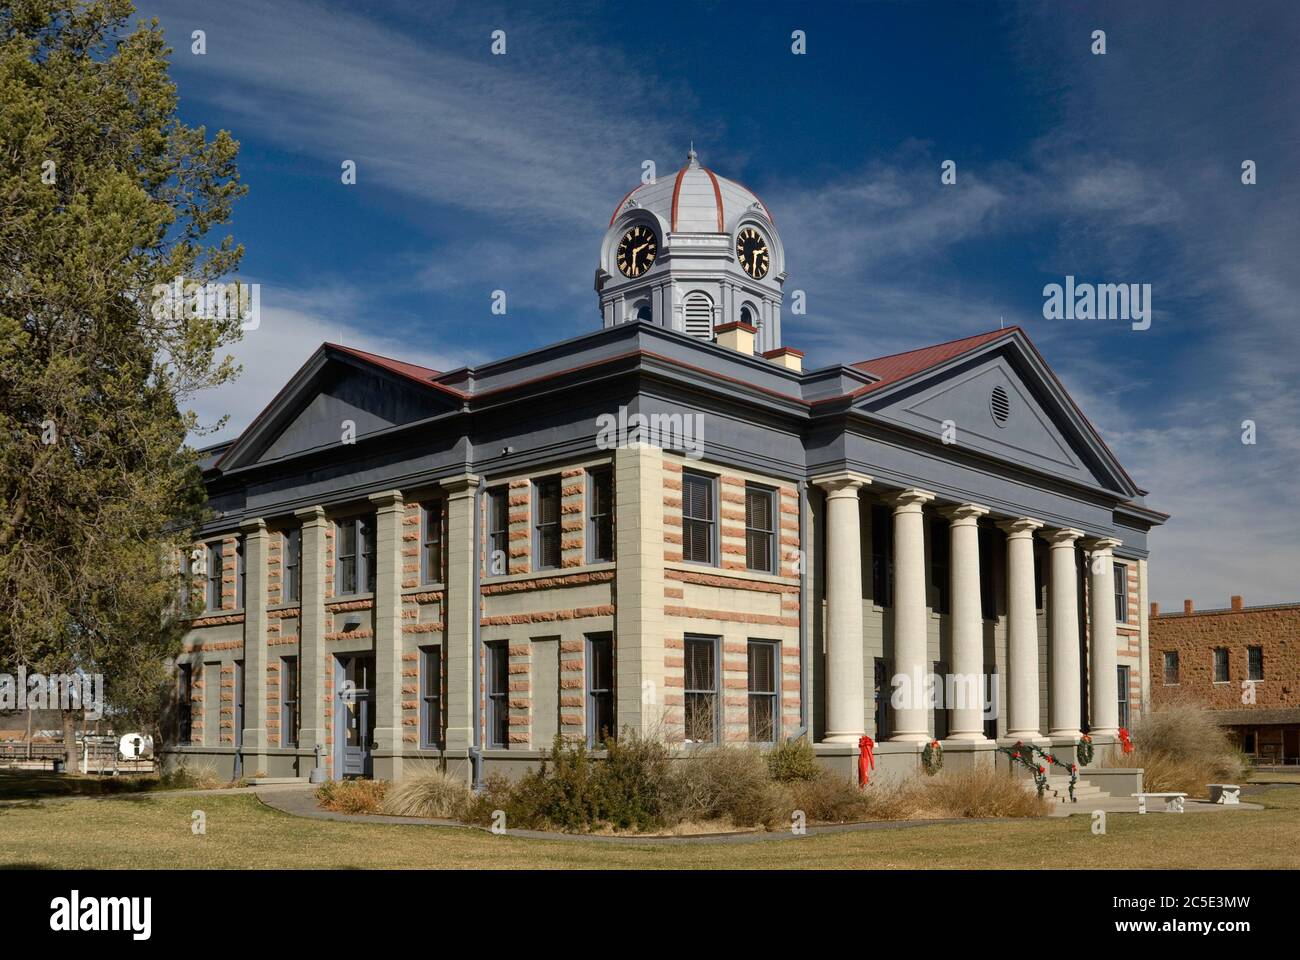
<point>354,714</point>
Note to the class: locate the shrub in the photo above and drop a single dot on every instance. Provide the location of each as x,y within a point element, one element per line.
<point>494,796</point>
<point>792,760</point>
<point>1182,748</point>
<point>435,795</point>
<point>979,792</point>
<point>352,796</point>
<point>187,777</point>
<point>634,783</point>
<point>830,798</point>
<point>729,783</point>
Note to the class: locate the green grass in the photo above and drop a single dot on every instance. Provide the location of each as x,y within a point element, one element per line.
<point>154,830</point>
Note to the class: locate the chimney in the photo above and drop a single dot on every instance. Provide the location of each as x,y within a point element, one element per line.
<point>1236,603</point>
<point>736,336</point>
<point>787,357</point>
<point>1187,606</point>
<point>1155,609</point>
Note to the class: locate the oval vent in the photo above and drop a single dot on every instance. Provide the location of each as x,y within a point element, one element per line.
<point>1000,405</point>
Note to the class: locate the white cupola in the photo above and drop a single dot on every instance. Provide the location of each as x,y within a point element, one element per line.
<point>693,252</point>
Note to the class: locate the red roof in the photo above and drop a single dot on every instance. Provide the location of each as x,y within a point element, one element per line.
<point>400,367</point>
<point>898,366</point>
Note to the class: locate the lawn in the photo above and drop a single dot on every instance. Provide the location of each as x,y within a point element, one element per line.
<point>154,830</point>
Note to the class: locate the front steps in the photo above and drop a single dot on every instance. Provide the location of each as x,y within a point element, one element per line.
<point>1058,789</point>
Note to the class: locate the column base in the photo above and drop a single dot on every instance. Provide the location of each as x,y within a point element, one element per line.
<point>967,736</point>
<point>1032,736</point>
<point>911,738</point>
<point>843,737</point>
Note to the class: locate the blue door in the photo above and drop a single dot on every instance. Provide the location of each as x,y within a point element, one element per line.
<point>354,715</point>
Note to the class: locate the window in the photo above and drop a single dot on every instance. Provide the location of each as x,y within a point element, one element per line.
<point>641,311</point>
<point>882,689</point>
<point>431,697</point>
<point>942,706</point>
<point>291,554</point>
<point>882,556</point>
<point>355,563</point>
<point>747,316</point>
<point>764,718</point>
<point>1171,668</point>
<point>239,574</point>
<point>184,703</point>
<point>939,550</point>
<point>758,528</point>
<point>289,701</point>
<point>697,518</point>
<point>498,706</point>
<point>1121,593</point>
<point>1248,742</point>
<point>546,523</point>
<point>498,531</point>
<point>215,569</point>
<point>1123,696</point>
<point>1039,578</point>
<point>701,690</point>
<point>600,690</point>
<point>600,515</point>
<point>699,316</point>
<point>431,542</point>
<point>1220,665</point>
<point>1255,663</point>
<point>989,549</point>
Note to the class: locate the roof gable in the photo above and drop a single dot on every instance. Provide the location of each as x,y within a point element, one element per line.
<point>340,392</point>
<point>1034,423</point>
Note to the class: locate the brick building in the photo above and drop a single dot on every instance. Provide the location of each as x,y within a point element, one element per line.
<point>1242,661</point>
<point>665,524</point>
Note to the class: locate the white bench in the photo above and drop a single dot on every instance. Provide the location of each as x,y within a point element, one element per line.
<point>1225,793</point>
<point>1173,801</point>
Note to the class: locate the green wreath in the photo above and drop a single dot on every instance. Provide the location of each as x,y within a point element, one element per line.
<point>1085,750</point>
<point>932,757</point>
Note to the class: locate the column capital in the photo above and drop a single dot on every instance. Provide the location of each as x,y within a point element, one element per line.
<point>387,498</point>
<point>1102,544</point>
<point>912,496</point>
<point>310,515</point>
<point>250,528</point>
<point>841,481</point>
<point>969,512</point>
<point>1019,526</point>
<point>1062,536</point>
<point>463,483</point>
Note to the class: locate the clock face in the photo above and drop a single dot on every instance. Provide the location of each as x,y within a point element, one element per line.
<point>751,251</point>
<point>637,251</point>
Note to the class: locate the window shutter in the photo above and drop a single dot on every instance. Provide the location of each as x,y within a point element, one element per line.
<point>699,316</point>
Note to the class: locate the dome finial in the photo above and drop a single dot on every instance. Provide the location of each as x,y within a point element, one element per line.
<point>692,158</point>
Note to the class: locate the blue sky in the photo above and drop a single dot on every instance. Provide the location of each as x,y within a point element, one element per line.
<point>480,172</point>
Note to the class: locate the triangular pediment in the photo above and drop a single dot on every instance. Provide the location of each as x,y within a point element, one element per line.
<point>1002,401</point>
<point>333,397</point>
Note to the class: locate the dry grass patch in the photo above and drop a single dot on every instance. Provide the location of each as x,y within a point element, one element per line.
<point>434,795</point>
<point>1181,749</point>
<point>352,796</point>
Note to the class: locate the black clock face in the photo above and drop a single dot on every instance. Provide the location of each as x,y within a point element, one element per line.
<point>637,251</point>
<point>751,251</point>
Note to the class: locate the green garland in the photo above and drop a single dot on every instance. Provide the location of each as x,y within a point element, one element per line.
<point>932,757</point>
<point>1024,754</point>
<point>1085,750</point>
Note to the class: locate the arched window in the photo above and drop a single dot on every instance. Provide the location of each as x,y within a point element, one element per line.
<point>641,311</point>
<point>699,316</point>
<point>747,315</point>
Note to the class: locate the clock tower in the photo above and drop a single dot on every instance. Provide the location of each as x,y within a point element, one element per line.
<point>691,253</point>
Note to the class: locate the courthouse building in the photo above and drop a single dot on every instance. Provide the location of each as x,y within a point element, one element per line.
<point>408,566</point>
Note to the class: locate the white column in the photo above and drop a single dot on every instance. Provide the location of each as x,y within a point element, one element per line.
<point>1063,615</point>
<point>1103,694</point>
<point>966,718</point>
<point>845,675</point>
<point>911,723</point>
<point>1022,630</point>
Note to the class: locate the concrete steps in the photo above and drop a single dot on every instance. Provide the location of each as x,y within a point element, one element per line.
<point>1058,790</point>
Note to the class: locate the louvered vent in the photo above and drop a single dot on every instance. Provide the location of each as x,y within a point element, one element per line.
<point>699,316</point>
<point>1000,405</point>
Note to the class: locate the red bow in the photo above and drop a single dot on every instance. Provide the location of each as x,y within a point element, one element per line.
<point>1124,740</point>
<point>866,759</point>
